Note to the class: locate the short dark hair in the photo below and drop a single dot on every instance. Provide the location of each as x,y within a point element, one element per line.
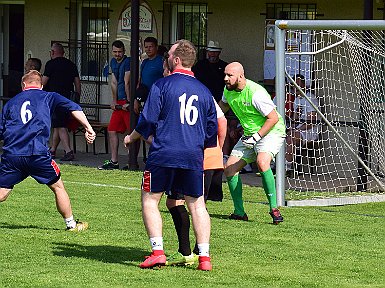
<point>36,62</point>
<point>118,44</point>
<point>151,40</point>
<point>162,50</point>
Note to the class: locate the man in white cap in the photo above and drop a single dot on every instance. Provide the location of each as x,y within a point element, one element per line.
<point>210,71</point>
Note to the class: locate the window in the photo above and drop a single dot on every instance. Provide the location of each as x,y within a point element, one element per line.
<point>87,47</point>
<point>185,21</point>
<point>89,38</point>
<point>291,11</point>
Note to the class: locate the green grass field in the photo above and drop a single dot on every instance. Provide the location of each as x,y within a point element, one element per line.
<point>314,247</point>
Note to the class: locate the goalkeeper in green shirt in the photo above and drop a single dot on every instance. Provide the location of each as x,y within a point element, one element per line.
<point>264,134</point>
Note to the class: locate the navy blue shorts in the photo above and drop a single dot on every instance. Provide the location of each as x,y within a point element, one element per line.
<point>14,169</point>
<point>165,179</point>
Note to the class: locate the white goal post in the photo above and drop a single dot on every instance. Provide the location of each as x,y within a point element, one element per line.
<point>342,63</point>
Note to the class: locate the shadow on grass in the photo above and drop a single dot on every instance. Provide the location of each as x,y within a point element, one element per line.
<point>15,226</point>
<point>226,217</point>
<point>102,253</point>
<point>351,213</point>
<point>219,216</point>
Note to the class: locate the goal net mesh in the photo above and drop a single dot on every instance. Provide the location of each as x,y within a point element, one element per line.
<point>343,71</point>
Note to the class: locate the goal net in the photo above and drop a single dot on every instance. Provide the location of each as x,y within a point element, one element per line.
<point>334,108</point>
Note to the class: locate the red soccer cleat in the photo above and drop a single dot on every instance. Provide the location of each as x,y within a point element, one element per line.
<point>205,263</point>
<point>276,215</point>
<point>153,261</point>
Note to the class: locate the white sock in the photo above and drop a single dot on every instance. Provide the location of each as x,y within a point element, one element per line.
<point>204,249</point>
<point>70,222</point>
<point>156,243</point>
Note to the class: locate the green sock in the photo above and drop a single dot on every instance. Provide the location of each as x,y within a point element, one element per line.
<point>268,183</point>
<point>235,186</point>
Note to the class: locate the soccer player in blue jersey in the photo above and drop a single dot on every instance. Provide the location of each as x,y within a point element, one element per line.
<point>181,115</point>
<point>25,126</point>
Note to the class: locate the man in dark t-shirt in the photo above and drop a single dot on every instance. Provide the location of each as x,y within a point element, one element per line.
<point>61,76</point>
<point>211,70</point>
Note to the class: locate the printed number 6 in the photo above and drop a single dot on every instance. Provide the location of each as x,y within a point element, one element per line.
<point>25,113</point>
<point>187,110</point>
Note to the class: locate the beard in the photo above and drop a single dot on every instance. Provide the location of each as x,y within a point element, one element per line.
<point>213,59</point>
<point>231,87</point>
<point>170,65</point>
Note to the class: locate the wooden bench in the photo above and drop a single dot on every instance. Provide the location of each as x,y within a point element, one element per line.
<point>100,130</point>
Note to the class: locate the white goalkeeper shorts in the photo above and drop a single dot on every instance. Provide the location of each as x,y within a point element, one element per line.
<point>271,143</point>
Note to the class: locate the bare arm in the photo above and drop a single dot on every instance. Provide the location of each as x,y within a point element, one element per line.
<point>131,138</point>
<point>224,106</point>
<point>272,119</point>
<point>222,130</point>
<point>90,134</point>
<point>114,88</point>
<point>77,85</point>
<point>127,89</point>
<point>127,84</point>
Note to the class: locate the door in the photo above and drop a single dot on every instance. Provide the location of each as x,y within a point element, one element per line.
<point>11,48</point>
<point>1,52</point>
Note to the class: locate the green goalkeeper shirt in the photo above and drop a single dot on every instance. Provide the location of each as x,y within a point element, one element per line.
<point>251,106</point>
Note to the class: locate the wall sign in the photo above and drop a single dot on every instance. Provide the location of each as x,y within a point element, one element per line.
<point>145,19</point>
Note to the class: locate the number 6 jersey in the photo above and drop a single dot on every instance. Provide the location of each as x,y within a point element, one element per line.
<point>25,122</point>
<point>180,113</point>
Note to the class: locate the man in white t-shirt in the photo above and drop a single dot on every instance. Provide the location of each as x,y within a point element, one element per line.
<point>305,116</point>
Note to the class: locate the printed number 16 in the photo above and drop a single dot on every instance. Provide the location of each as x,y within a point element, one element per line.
<point>187,110</point>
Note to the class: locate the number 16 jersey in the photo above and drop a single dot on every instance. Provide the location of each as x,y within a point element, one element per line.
<point>180,114</point>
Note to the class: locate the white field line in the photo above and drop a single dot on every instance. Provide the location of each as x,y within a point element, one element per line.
<point>102,185</point>
<point>337,201</point>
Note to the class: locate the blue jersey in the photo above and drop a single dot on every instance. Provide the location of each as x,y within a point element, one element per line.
<point>180,113</point>
<point>119,69</point>
<point>151,70</point>
<point>26,121</point>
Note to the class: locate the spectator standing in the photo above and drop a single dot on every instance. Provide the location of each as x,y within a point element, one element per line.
<point>180,113</point>
<point>120,118</point>
<point>32,64</point>
<point>151,70</point>
<point>61,76</point>
<point>26,134</point>
<point>264,134</point>
<point>211,71</point>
